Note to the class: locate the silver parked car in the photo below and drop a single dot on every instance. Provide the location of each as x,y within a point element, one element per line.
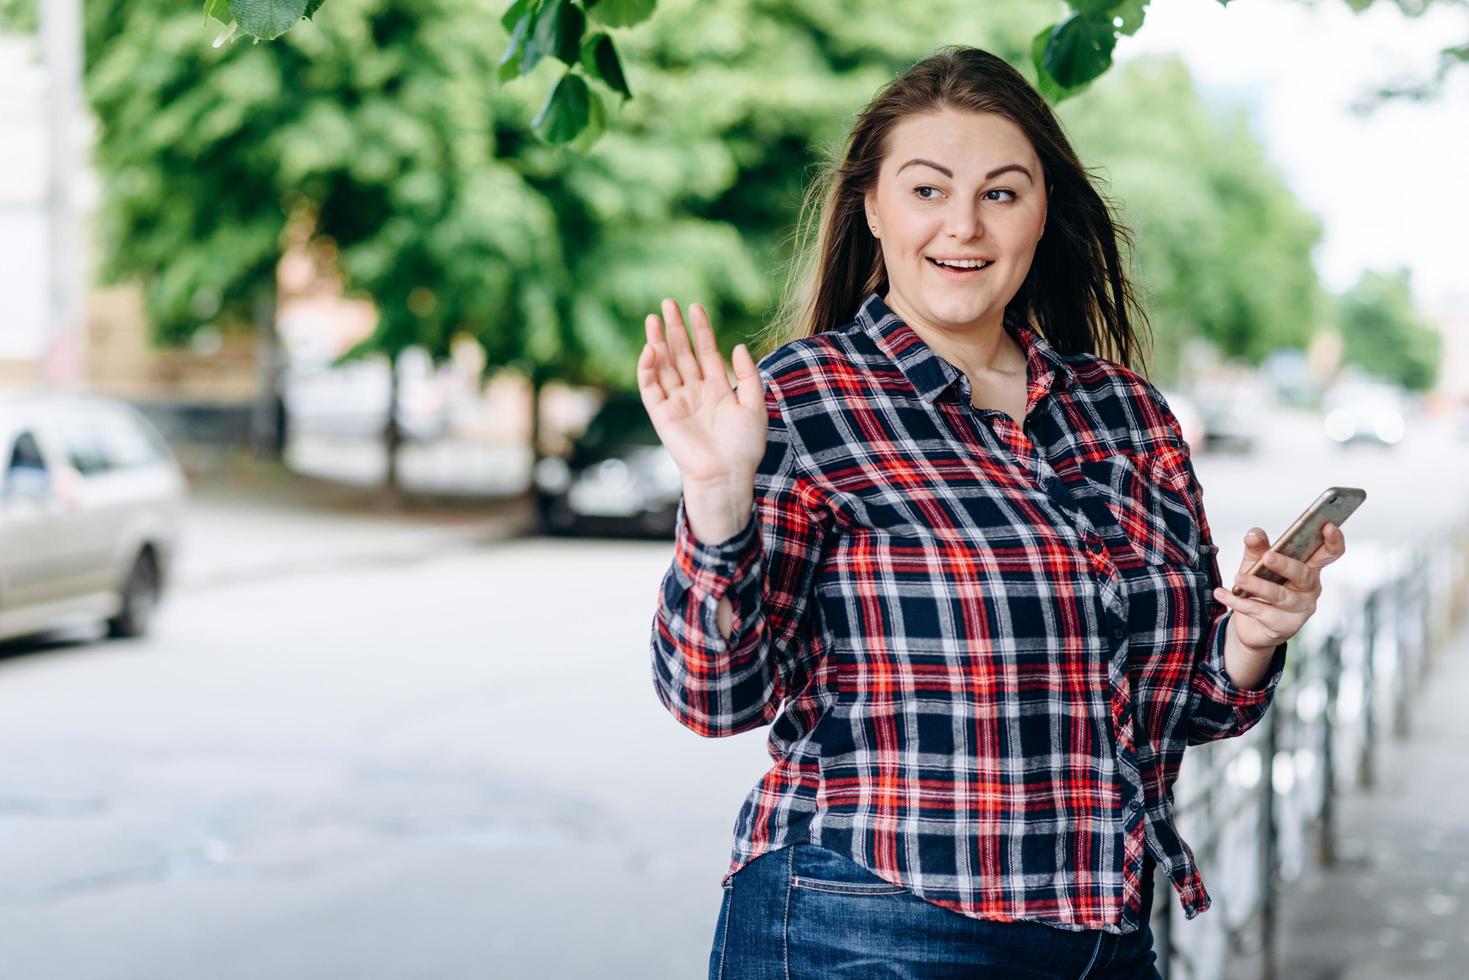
<point>91,501</point>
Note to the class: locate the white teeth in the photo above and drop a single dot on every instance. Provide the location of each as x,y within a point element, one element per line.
<point>962,263</point>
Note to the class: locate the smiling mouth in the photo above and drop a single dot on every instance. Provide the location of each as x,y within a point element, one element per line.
<point>960,267</point>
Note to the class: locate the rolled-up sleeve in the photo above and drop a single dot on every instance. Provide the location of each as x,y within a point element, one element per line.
<point>717,686</point>
<point>1219,708</point>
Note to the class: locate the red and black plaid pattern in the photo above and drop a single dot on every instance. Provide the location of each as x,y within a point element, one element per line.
<point>981,648</point>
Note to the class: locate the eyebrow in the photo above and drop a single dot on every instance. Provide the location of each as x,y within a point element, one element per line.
<point>949,173</point>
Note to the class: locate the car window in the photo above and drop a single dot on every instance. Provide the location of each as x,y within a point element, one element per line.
<point>83,444</point>
<point>620,421</point>
<point>25,472</point>
<point>125,441</point>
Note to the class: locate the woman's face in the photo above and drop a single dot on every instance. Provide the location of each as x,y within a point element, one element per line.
<point>951,187</point>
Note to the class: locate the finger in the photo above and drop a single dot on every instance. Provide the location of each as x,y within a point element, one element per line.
<point>649,387</point>
<point>1271,617</point>
<point>706,347</point>
<point>1276,594</point>
<point>1332,548</point>
<point>678,342</point>
<point>1256,543</point>
<point>667,373</point>
<point>1296,572</point>
<point>747,376</point>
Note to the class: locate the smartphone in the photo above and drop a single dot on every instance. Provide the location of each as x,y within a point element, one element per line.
<point>1304,536</point>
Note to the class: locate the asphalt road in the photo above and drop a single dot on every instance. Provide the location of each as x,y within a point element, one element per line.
<point>442,763</point>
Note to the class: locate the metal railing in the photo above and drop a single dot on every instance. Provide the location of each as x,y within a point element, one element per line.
<point>1256,808</point>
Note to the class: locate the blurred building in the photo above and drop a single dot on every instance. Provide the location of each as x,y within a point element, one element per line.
<point>108,348</point>
<point>23,266</point>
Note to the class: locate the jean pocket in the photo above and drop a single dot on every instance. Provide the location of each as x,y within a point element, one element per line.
<point>819,869</point>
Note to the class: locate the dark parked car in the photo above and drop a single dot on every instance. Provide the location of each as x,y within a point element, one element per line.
<point>617,478</point>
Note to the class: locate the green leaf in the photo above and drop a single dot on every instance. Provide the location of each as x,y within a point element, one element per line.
<point>599,60</point>
<point>511,61</point>
<point>566,112</point>
<point>218,9</point>
<point>512,15</point>
<point>545,34</point>
<point>623,13</point>
<point>267,19</point>
<point>1052,90</point>
<point>1131,12</point>
<point>312,6</point>
<point>569,29</point>
<point>1079,49</point>
<point>1097,9</point>
<point>596,124</point>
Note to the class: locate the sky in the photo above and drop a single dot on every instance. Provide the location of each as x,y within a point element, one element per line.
<point>1392,188</point>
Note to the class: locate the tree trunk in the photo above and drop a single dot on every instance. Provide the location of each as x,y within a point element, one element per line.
<point>268,415</point>
<point>392,438</point>
<point>536,384</point>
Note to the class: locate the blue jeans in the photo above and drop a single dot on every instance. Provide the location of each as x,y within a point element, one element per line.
<point>804,912</point>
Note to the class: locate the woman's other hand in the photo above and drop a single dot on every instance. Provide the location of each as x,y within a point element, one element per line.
<point>1274,612</point>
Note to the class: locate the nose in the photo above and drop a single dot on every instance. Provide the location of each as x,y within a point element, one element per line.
<point>963,222</point>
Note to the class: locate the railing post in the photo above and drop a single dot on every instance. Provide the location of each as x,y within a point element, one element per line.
<point>1268,848</point>
<point>1365,775</point>
<point>1331,667</point>
<point>1404,667</point>
<point>1161,920</point>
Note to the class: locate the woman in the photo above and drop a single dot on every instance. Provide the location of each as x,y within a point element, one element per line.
<point>959,562</point>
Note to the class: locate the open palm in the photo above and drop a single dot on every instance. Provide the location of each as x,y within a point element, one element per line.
<point>715,433</point>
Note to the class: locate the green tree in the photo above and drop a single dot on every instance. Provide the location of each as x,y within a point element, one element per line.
<point>1382,332</point>
<point>386,126</point>
<point>380,126</point>
<point>1224,248</point>
<point>1065,56</point>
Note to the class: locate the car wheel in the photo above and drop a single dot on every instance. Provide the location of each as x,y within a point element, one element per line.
<point>139,599</point>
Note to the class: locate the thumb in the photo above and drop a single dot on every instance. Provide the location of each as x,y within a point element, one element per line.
<point>748,387</point>
<point>1255,545</point>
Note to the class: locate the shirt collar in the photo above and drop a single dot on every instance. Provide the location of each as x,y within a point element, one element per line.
<point>930,374</point>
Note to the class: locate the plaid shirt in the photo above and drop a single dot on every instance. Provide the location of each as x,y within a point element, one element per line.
<point>981,647</point>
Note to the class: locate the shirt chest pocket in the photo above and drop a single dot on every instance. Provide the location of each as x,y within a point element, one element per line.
<point>1138,500</point>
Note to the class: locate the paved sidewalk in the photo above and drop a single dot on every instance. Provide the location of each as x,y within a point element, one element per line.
<point>248,524</point>
<point>1397,903</point>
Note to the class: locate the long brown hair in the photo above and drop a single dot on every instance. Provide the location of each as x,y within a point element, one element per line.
<point>1076,294</point>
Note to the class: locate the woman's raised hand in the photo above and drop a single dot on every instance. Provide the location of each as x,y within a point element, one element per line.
<point>715,433</point>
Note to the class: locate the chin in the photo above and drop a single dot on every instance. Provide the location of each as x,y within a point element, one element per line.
<point>948,310</point>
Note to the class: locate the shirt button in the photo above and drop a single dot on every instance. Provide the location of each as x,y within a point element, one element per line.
<point>1095,545</point>
<point>1118,632</point>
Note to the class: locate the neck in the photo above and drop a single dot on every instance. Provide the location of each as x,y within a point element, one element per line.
<point>984,348</point>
